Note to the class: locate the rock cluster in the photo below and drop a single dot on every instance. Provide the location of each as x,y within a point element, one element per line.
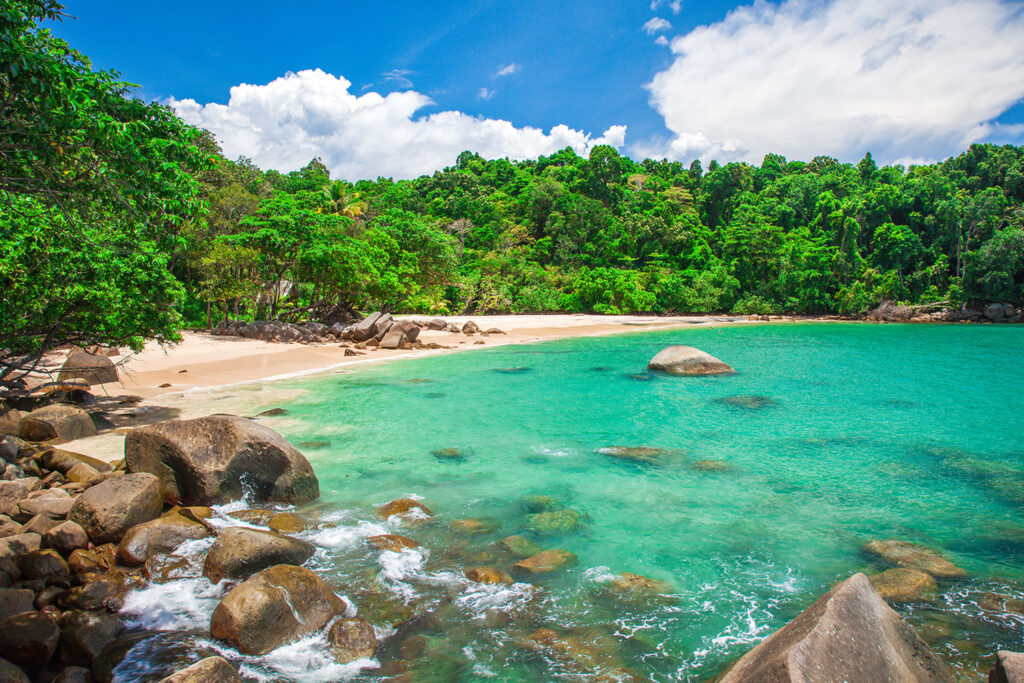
<point>889,311</point>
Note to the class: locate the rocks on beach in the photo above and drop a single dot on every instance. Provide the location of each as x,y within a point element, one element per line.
<point>688,361</point>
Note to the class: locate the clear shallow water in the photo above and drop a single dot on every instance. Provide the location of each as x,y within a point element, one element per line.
<point>861,432</point>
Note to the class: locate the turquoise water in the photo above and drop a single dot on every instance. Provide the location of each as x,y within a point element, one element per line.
<point>858,432</point>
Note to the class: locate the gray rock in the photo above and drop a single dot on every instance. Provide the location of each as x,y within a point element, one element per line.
<point>1009,311</point>
<point>686,360</point>
<point>1009,668</point>
<point>8,446</point>
<point>93,369</point>
<point>849,635</point>
<point>12,492</point>
<point>994,312</point>
<point>106,511</point>
<point>437,324</point>
<point>365,328</point>
<point>212,460</point>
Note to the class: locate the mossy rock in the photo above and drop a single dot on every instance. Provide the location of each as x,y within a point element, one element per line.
<point>555,522</point>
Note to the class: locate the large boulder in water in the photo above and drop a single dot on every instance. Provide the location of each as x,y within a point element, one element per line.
<point>277,606</point>
<point>57,421</point>
<point>213,460</point>
<point>109,509</point>
<point>686,360</point>
<point>239,552</point>
<point>92,368</point>
<point>850,635</point>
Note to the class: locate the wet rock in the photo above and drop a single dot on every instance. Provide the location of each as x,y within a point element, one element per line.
<point>107,510</point>
<point>474,525</point>
<point>710,466</point>
<point>351,639</point>
<point>686,360</point>
<point>748,401</point>
<point>66,537</point>
<point>449,454</point>
<point>488,575</point>
<point>98,593</point>
<point>277,606</point>
<point>164,568</point>
<point>84,635</point>
<point>519,546</point>
<point>45,565</point>
<point>94,369</point>
<point>28,640</point>
<point>544,562</point>
<point>554,522</point>
<point>212,460</point>
<point>113,654</point>
<point>592,655</point>
<point>74,674</point>
<point>287,523</point>
<point>160,535</point>
<point>257,517</point>
<point>85,561</point>
<point>57,421</point>
<point>1009,668</point>
<point>15,601</point>
<point>541,504</point>
<point>273,412</point>
<point>641,454</point>
<point>849,634</point>
<point>914,556</point>
<point>903,585</point>
<point>209,670</point>
<point>9,673</point>
<point>239,552</point>
<point>404,507</point>
<point>637,588</point>
<point>392,542</point>
<point>19,544</point>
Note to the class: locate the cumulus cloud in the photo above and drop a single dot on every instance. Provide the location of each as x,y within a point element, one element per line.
<point>656,25</point>
<point>292,119</point>
<point>915,79</point>
<point>507,70</point>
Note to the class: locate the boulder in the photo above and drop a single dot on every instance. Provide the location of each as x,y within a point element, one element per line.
<point>15,601</point>
<point>1009,311</point>
<point>19,544</point>
<point>470,328</point>
<point>209,670</point>
<point>277,606</point>
<point>554,522</point>
<point>50,506</point>
<point>392,542</point>
<point>1009,668</point>
<point>84,635</point>
<point>915,556</point>
<point>239,552</point>
<point>366,328</point>
<point>995,312</point>
<point>38,524</point>
<point>13,491</point>
<point>65,461</point>
<point>850,635</point>
<point>215,459</point>
<point>66,537</point>
<point>45,565</point>
<point>637,588</point>
<point>286,523</point>
<point>686,360</point>
<point>107,510</point>
<point>351,639</point>
<point>472,526</point>
<point>890,311</point>
<point>10,421</point>
<point>544,562</point>
<point>9,673</point>
<point>437,324</point>
<point>93,369</point>
<point>28,640</point>
<point>57,421</point>
<point>399,334</point>
<point>383,324</point>
<point>519,546</point>
<point>404,507</point>
<point>902,584</point>
<point>491,575</point>
<point>160,535</point>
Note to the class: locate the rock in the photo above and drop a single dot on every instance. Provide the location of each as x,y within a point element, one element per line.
<point>107,510</point>
<point>239,552</point>
<point>8,527</point>
<point>710,466</point>
<point>83,561</point>
<point>9,673</point>
<point>9,447</point>
<point>636,588</point>
<point>28,640</point>
<point>392,542</point>
<point>287,523</point>
<point>1009,668</point>
<point>98,594</point>
<point>45,565</point>
<point>474,525</point>
<point>400,334</point>
<point>748,401</point>
<point>15,601</point>
<point>64,461</point>
<point>12,492</point>
<point>257,517</point>
<point>592,655</point>
<point>902,585</point>
<point>113,654</point>
<point>84,635</point>
<point>541,503</point>
<point>545,562</point>
<point>448,454</point>
<point>519,546</point>
<point>686,360</point>
<point>488,575</point>
<point>351,639</point>
<point>470,328</point>
<point>914,556</point>
<point>850,635</point>
<point>160,535</point>
<point>404,507</point>
<point>555,522</point>
<point>209,670</point>
<point>437,324</point>
<point>995,312</point>
<point>19,544</point>
<point>642,454</point>
<point>74,674</point>
<point>383,324</point>
<point>66,537</point>
<point>279,605</point>
<point>889,311</point>
<point>50,506</point>
<point>494,330</point>
<point>57,421</point>
<point>39,524</point>
<point>10,421</point>
<point>365,328</point>
<point>212,460</point>
<point>93,369</point>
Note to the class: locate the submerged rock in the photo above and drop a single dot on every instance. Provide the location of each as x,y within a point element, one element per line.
<point>449,454</point>
<point>488,575</point>
<point>277,606</point>
<point>519,546</point>
<point>646,455</point>
<point>518,370</point>
<point>637,588</point>
<point>591,655</point>
<point>474,525</point>
<point>850,635</point>
<point>404,507</point>
<point>239,552</point>
<point>287,523</point>
<point>351,639</point>
<point>686,360</point>
<point>554,522</point>
<point>902,584</point>
<point>392,542</point>
<point>915,556</point>
<point>545,562</point>
<point>541,503</point>
<point>748,401</point>
<point>209,670</point>
<point>107,510</point>
<point>710,466</point>
<point>215,459</point>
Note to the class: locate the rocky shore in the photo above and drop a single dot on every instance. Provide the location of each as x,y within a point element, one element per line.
<point>78,536</point>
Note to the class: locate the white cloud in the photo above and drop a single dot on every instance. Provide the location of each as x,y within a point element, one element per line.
<point>400,76</point>
<point>485,94</point>
<point>656,25</point>
<point>675,5</point>
<point>292,119</point>
<point>661,40</point>
<point>915,79</point>
<point>508,70</point>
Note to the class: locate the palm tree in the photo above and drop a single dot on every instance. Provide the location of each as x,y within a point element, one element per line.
<point>344,200</point>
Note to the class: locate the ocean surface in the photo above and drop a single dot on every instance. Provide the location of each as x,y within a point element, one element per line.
<point>768,484</point>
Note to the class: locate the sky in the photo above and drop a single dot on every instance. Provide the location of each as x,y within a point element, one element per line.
<point>400,89</point>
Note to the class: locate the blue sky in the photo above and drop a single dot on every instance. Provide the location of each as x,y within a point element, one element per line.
<point>917,80</point>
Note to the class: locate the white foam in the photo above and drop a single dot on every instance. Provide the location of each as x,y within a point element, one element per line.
<point>177,605</point>
<point>342,537</point>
